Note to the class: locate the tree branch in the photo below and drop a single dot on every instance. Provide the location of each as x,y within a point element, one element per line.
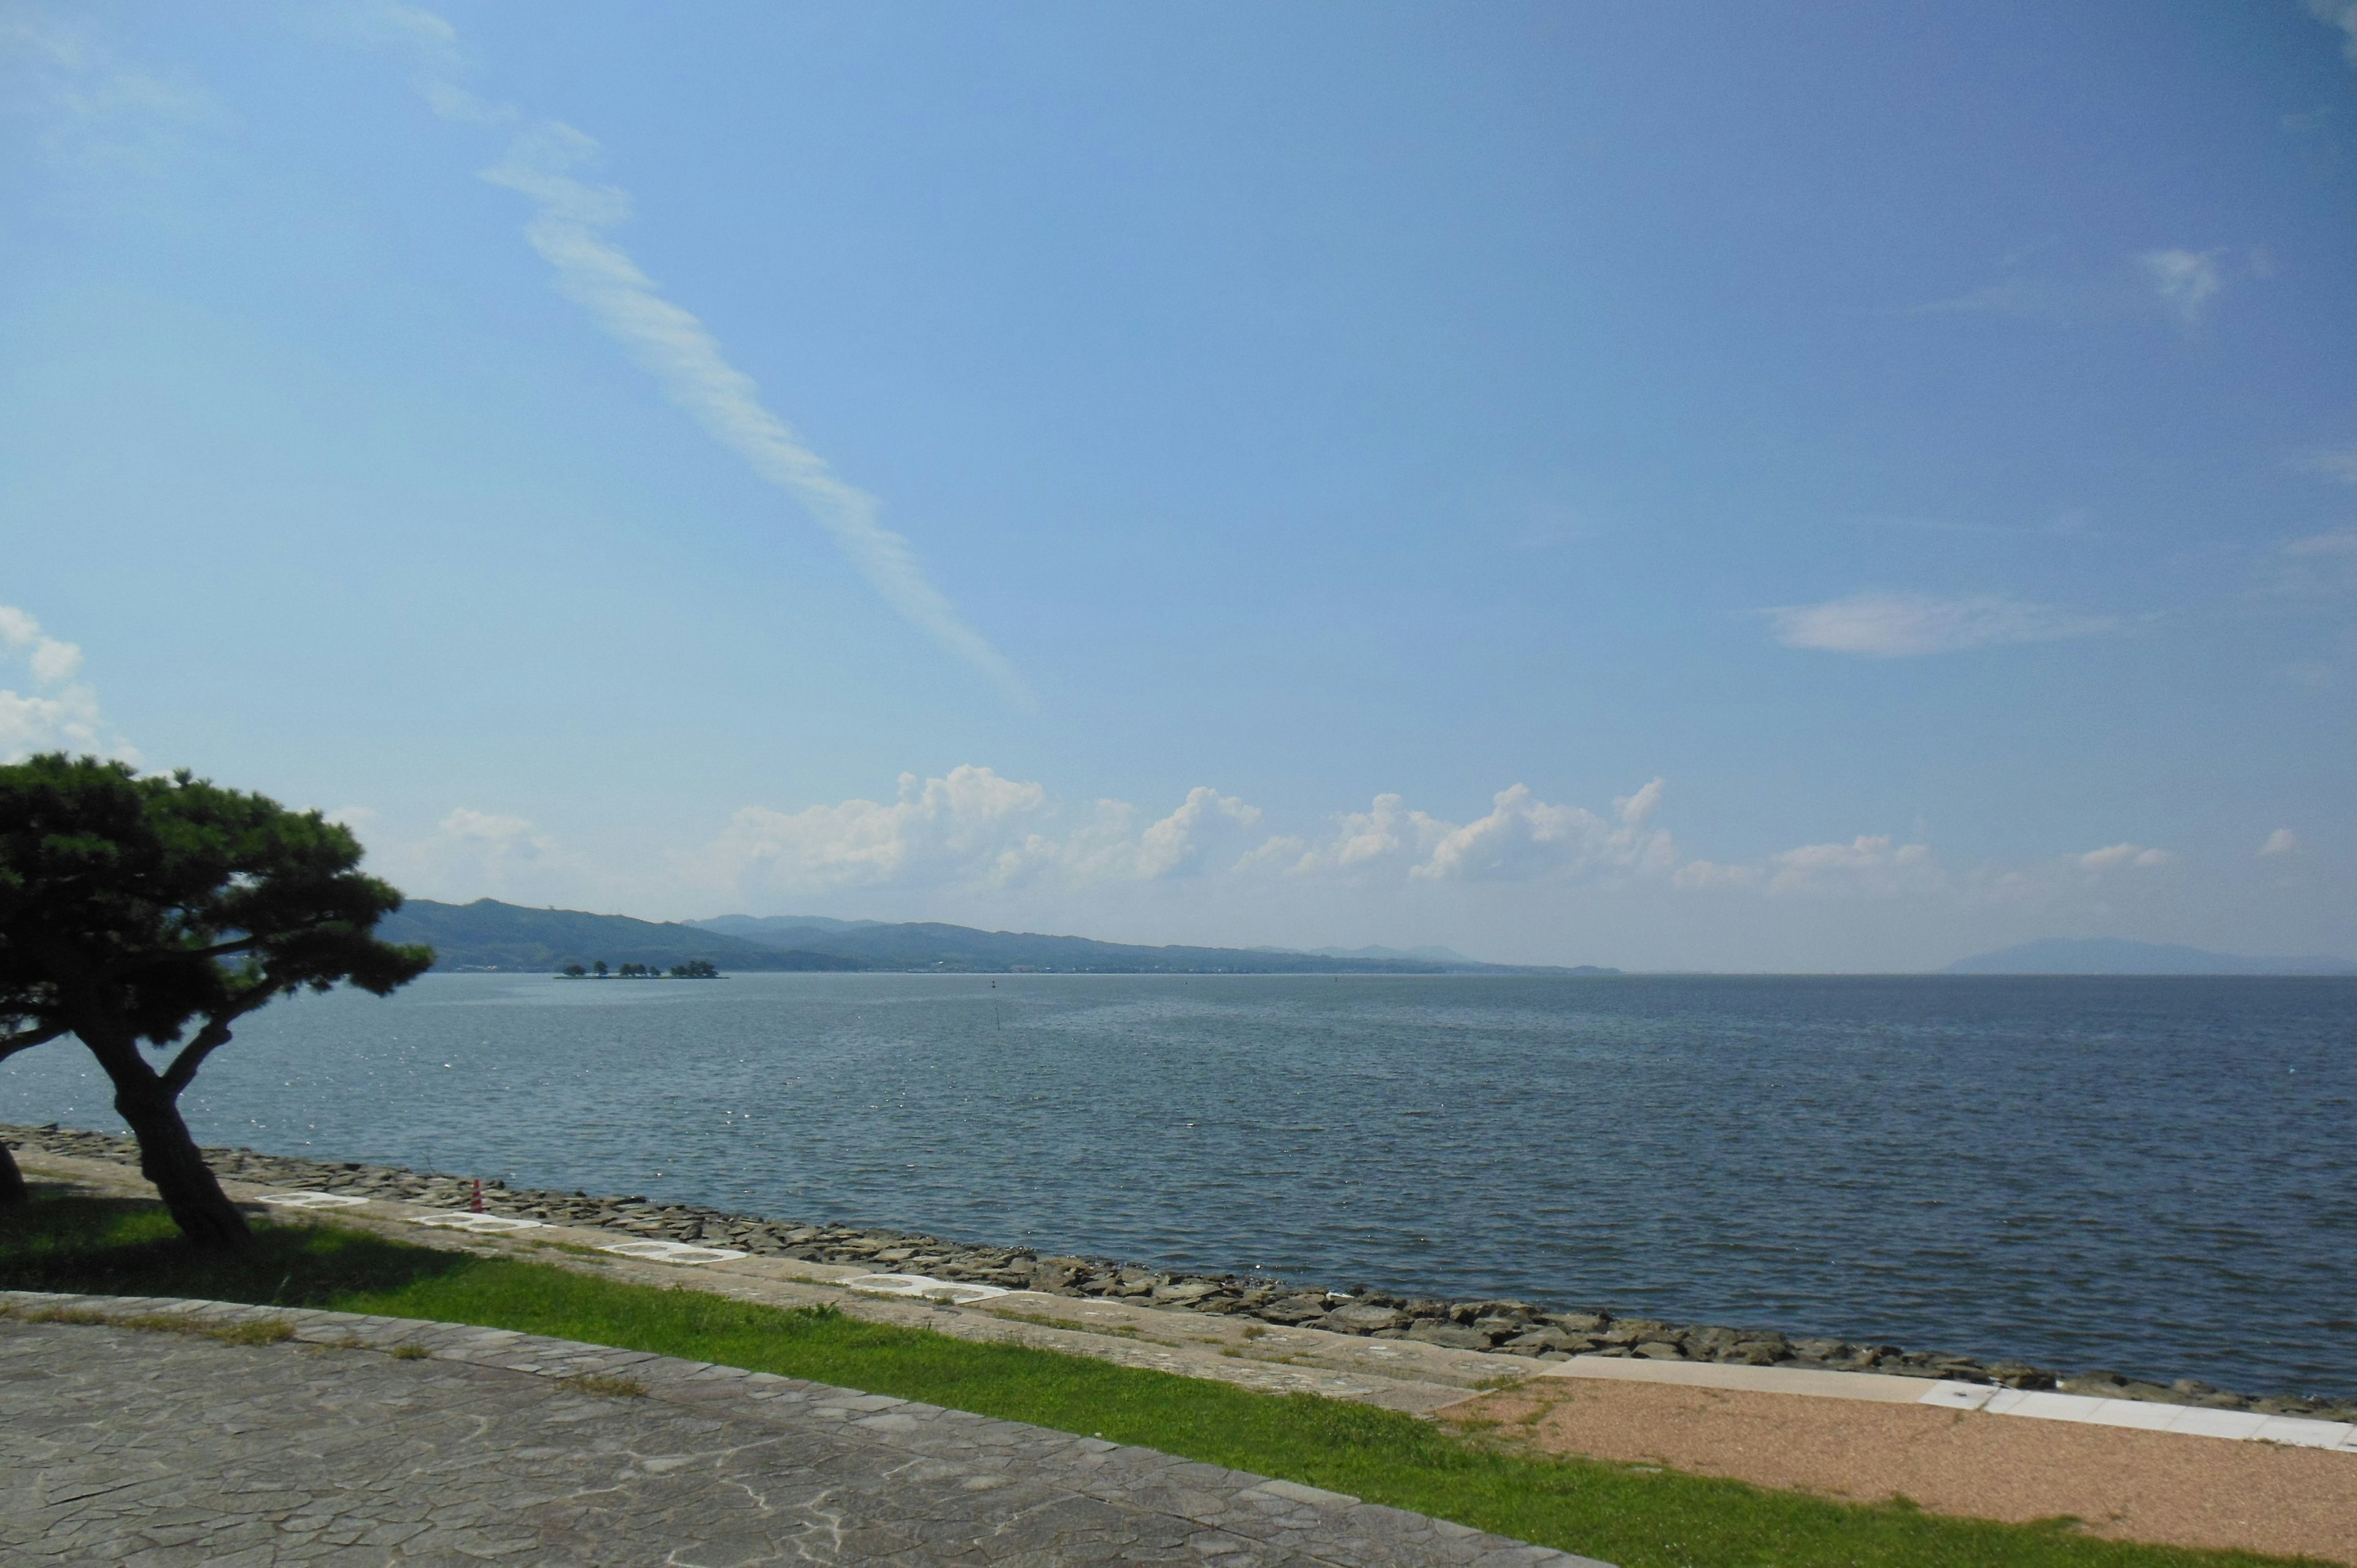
<point>169,955</point>
<point>25,1039</point>
<point>216,1033</point>
<point>183,1070</point>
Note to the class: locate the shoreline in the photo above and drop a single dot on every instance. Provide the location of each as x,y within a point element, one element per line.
<point>1515,1330</point>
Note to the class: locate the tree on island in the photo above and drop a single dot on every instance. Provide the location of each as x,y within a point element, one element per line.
<point>133,907</point>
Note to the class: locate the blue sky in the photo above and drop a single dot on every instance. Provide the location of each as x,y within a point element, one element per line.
<point>1804,486</point>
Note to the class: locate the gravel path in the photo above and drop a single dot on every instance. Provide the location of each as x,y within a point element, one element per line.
<point>2156,1487</point>
<point>146,1448</point>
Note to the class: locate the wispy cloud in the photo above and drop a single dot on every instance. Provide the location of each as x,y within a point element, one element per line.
<point>2023,299</point>
<point>2321,566</point>
<point>687,361</point>
<point>2179,281</point>
<point>1899,625</point>
<point>58,712</point>
<point>2334,463</point>
<point>92,110</point>
<point>568,228</point>
<point>2184,282</point>
<point>2341,14</point>
<point>1870,865</point>
<point>2281,842</point>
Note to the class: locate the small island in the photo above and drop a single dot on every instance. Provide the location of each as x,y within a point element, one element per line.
<point>693,969</point>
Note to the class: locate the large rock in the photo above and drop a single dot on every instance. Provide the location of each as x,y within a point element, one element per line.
<point>1635,1331</point>
<point>1454,1337</point>
<point>1295,1309</point>
<point>1362,1317</point>
<point>1754,1352</point>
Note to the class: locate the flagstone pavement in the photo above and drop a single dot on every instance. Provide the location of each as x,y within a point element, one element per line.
<point>155,1449</point>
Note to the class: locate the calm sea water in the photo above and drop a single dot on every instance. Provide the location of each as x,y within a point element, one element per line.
<point>2155,1176</point>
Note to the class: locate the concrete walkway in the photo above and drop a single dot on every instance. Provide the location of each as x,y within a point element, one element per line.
<point>362,1440</point>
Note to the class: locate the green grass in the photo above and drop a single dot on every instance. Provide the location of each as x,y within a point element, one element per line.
<point>1635,1516</point>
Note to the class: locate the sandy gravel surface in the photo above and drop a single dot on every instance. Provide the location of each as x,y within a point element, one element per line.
<point>2139,1486</point>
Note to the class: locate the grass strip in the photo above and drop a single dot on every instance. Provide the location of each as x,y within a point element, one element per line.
<point>1634,1515</point>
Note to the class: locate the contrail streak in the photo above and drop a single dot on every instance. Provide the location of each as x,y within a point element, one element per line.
<point>567,229</point>
<point>686,359</point>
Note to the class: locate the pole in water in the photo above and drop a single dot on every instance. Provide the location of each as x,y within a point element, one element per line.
<point>476,1206</point>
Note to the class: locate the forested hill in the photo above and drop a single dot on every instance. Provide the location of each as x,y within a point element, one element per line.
<point>488,934</point>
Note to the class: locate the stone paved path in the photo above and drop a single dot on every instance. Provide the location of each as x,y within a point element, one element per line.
<point>149,1448</point>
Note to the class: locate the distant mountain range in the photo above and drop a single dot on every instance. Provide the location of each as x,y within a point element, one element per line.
<point>932,946</point>
<point>1430,955</point>
<point>2115,955</point>
<point>488,934</point>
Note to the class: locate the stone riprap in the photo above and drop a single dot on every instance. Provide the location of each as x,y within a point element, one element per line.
<point>1499,1327</point>
<point>373,1439</point>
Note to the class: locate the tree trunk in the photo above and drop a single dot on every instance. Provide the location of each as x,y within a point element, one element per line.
<point>13,1194</point>
<point>170,1159</point>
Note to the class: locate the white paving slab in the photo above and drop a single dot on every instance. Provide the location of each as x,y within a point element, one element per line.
<point>670,1252</point>
<point>2134,1413</point>
<point>2241,1425</point>
<point>2302,1431</point>
<point>485,1224</point>
<point>2039,1405</point>
<point>311,1200</point>
<point>957,1292</point>
<point>1879,1387</point>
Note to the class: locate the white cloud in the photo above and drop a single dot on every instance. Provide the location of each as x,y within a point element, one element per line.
<point>2113,857</point>
<point>975,828</point>
<point>2283,841</point>
<point>59,714</point>
<point>1525,837</point>
<point>1868,866</point>
<point>1522,839</point>
<point>2341,14</point>
<point>568,228</point>
<point>1898,625</point>
<point>2184,282</point>
<point>474,854</point>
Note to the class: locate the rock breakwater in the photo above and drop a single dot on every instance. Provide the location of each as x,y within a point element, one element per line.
<point>1510,1329</point>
